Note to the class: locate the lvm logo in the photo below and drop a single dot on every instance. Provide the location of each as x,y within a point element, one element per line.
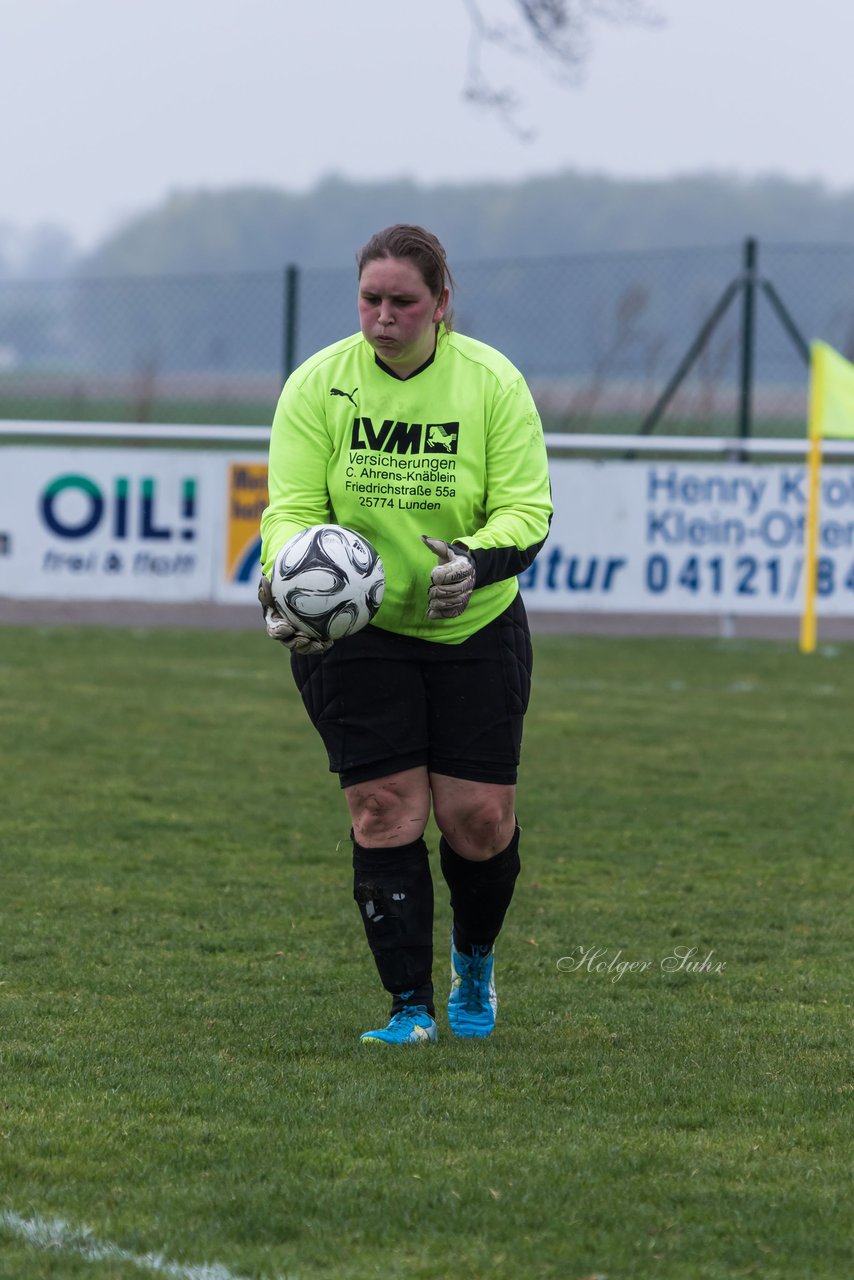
<point>405,437</point>
<point>73,506</point>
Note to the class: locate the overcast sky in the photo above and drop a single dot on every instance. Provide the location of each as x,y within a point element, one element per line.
<point>107,106</point>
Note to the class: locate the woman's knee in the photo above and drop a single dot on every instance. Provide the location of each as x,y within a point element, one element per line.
<point>389,811</point>
<point>476,818</point>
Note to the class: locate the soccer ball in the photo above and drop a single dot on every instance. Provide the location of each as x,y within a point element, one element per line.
<point>328,581</point>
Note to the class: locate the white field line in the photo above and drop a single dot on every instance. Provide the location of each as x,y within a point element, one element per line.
<point>59,1237</point>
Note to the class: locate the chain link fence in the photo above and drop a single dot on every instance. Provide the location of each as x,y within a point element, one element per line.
<point>688,341</point>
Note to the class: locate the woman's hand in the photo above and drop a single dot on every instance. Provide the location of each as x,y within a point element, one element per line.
<point>452,581</point>
<point>278,628</point>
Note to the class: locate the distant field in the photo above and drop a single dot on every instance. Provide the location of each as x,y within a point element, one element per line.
<point>183,979</point>
<point>250,400</point>
<point>254,413</point>
<point>260,412</point>
<point>727,427</point>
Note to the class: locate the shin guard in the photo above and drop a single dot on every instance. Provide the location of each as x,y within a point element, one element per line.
<point>394,892</point>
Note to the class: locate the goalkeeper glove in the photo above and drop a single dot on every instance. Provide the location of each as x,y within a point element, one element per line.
<point>278,628</point>
<point>451,582</point>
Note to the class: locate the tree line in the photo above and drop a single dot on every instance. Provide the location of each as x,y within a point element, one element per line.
<point>261,228</point>
<point>257,228</point>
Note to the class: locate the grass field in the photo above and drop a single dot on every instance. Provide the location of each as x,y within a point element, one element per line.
<point>183,978</point>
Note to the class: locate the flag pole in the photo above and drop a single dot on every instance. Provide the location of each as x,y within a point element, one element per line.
<point>816,407</point>
<point>808,618</point>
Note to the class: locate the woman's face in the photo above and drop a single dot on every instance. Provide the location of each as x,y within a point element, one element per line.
<point>398,313</point>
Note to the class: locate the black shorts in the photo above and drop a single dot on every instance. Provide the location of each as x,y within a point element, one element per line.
<point>383,703</point>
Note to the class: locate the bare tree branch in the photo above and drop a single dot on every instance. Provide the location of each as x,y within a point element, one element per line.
<point>557,33</point>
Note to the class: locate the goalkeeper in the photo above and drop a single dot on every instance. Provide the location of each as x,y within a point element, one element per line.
<point>429,444</point>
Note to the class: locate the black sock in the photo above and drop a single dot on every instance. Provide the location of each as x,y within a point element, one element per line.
<point>394,890</point>
<point>480,893</point>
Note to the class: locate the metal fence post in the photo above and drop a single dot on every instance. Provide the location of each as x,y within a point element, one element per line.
<point>748,337</point>
<point>712,321</point>
<point>289,327</point>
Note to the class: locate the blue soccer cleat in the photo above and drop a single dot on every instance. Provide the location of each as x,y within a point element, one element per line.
<point>472,1004</point>
<point>410,1025</point>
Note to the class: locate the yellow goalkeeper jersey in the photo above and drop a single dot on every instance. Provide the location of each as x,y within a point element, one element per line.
<point>455,451</point>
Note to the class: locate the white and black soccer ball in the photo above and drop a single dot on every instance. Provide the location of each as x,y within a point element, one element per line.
<point>328,581</point>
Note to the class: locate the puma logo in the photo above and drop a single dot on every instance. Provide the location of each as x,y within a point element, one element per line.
<point>348,395</point>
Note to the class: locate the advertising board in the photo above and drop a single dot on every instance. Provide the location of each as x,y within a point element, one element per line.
<point>691,537</point>
<point>102,523</point>
<point>166,524</point>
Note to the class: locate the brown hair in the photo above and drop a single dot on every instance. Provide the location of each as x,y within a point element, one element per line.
<point>405,240</point>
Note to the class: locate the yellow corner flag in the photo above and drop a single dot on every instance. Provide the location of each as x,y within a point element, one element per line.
<point>831,413</point>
